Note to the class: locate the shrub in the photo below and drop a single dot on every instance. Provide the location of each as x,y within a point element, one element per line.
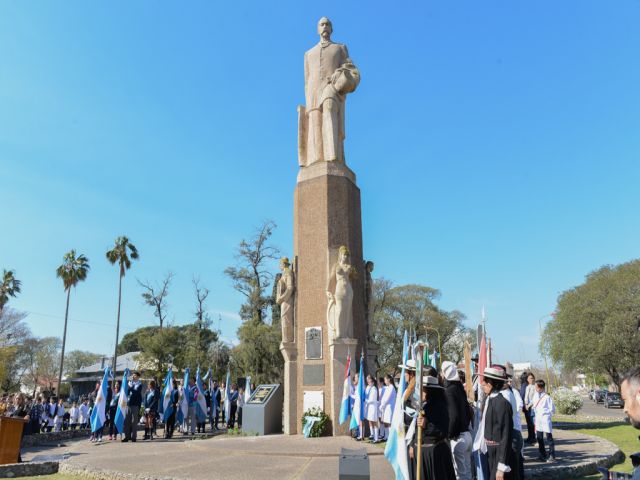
<point>566,401</point>
<point>318,428</point>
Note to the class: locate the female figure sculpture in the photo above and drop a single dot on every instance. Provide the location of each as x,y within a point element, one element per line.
<point>340,294</point>
<point>284,298</point>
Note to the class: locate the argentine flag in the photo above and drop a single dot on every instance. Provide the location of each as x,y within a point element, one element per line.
<point>247,389</point>
<point>99,413</point>
<point>357,415</point>
<point>345,411</point>
<point>395,450</point>
<point>183,403</point>
<point>123,403</point>
<point>201,400</point>
<point>227,393</point>
<point>167,407</point>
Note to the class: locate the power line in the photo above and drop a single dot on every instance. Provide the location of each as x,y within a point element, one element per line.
<point>75,320</point>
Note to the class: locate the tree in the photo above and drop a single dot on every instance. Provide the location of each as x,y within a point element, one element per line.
<point>121,253</point>
<point>596,327</point>
<point>156,297</point>
<point>9,287</point>
<point>250,276</point>
<point>131,341</point>
<point>77,359</point>
<point>14,334</point>
<point>200,337</point>
<point>410,307</point>
<point>41,360</point>
<point>72,271</point>
<point>258,353</point>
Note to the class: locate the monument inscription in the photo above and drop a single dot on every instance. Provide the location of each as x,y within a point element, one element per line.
<point>313,343</point>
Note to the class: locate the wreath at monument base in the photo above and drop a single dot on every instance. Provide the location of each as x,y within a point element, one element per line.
<point>315,421</point>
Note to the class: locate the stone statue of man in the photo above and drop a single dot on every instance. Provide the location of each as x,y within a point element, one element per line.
<point>329,75</point>
<point>368,297</point>
<point>284,298</point>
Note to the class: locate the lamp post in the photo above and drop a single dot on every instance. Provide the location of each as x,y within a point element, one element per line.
<point>544,355</point>
<point>439,346</point>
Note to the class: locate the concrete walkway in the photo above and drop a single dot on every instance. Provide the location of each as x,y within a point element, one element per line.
<point>278,457</point>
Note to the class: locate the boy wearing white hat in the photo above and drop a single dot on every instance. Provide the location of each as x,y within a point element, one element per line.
<point>459,421</point>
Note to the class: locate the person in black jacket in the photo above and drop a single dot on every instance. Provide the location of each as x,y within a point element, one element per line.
<point>435,454</point>
<point>150,410</point>
<point>460,439</point>
<point>496,427</point>
<point>133,412</point>
<point>215,405</point>
<point>171,421</point>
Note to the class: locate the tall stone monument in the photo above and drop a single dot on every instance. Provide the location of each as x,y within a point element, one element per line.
<point>329,308</point>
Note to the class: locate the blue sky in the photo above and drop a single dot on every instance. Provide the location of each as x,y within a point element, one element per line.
<point>495,143</point>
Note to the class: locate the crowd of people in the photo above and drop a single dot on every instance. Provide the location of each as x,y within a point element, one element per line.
<point>461,439</point>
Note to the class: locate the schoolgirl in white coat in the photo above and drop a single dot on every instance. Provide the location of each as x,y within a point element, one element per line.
<point>387,403</point>
<point>371,406</point>
<point>544,409</point>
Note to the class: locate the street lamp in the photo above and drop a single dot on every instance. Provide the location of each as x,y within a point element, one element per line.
<point>439,345</point>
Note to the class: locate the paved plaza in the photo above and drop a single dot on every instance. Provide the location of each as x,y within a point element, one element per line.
<point>272,457</point>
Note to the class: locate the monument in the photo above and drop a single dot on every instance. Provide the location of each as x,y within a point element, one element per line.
<point>328,273</point>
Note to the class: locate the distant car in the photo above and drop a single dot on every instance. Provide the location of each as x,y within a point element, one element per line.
<point>599,395</point>
<point>613,399</point>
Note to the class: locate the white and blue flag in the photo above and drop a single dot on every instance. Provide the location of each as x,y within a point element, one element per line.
<point>200,398</point>
<point>183,403</point>
<point>395,451</point>
<point>166,405</point>
<point>345,407</point>
<point>357,415</point>
<point>99,412</point>
<point>123,403</point>
<point>247,389</point>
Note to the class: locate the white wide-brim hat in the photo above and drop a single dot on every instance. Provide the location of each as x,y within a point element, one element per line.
<point>450,372</point>
<point>431,382</point>
<point>410,365</point>
<point>495,373</point>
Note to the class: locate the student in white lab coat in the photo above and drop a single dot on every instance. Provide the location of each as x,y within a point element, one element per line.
<point>74,416</point>
<point>544,409</point>
<point>387,402</point>
<point>84,413</point>
<point>58,418</point>
<point>371,406</point>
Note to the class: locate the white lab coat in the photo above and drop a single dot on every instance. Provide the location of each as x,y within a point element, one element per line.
<point>371,403</point>
<point>58,420</point>
<point>544,408</point>
<point>387,402</point>
<point>74,415</point>
<point>84,414</point>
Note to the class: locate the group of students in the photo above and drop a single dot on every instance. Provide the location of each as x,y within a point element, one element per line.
<point>461,440</point>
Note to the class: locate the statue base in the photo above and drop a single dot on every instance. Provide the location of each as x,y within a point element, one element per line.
<point>338,351</point>
<point>290,353</point>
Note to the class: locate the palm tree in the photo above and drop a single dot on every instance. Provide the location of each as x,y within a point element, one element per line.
<point>72,271</point>
<point>9,287</point>
<point>121,253</point>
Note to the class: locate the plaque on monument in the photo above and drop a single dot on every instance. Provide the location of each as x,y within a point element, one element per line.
<point>313,374</point>
<point>262,394</point>
<point>312,399</point>
<point>313,343</point>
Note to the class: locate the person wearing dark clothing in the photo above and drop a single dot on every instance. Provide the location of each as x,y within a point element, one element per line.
<point>435,454</point>
<point>233,402</point>
<point>133,412</point>
<point>215,406</point>
<point>171,421</point>
<point>113,408</point>
<point>35,415</point>
<point>150,410</point>
<point>496,427</point>
<point>527,392</point>
<point>20,410</point>
<point>459,411</point>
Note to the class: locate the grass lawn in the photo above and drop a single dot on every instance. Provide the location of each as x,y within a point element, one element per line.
<point>55,476</point>
<point>622,434</point>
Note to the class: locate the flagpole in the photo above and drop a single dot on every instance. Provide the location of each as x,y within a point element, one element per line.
<point>418,454</point>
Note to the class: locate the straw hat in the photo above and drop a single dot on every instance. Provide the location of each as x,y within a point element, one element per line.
<point>450,372</point>
<point>496,373</point>
<point>431,382</point>
<point>410,365</point>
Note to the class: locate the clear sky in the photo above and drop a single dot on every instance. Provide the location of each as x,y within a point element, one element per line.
<point>496,145</point>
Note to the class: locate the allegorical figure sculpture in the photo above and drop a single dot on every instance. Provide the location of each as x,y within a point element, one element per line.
<point>340,294</point>
<point>368,297</point>
<point>329,75</point>
<point>284,298</point>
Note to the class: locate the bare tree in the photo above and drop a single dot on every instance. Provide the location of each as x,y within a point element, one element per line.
<point>156,296</point>
<point>202,317</point>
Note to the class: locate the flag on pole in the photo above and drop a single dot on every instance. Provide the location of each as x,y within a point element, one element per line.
<point>247,389</point>
<point>227,394</point>
<point>99,413</point>
<point>395,451</point>
<point>123,402</point>
<point>357,415</point>
<point>467,372</point>
<point>167,406</point>
<point>183,403</point>
<point>200,398</point>
<point>482,358</point>
<point>345,411</point>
